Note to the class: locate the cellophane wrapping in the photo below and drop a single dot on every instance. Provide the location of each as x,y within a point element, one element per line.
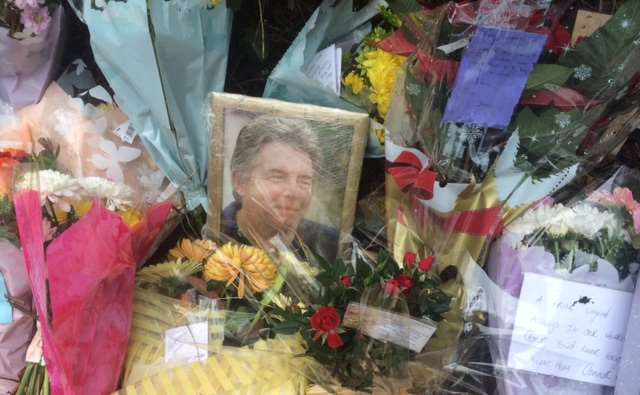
<point>87,218</point>
<point>497,110</point>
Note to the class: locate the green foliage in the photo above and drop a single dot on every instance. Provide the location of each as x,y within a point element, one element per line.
<point>612,54</point>
<point>544,74</point>
<point>355,363</point>
<point>8,225</point>
<point>549,142</point>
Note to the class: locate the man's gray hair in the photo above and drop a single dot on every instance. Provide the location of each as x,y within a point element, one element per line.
<point>267,129</point>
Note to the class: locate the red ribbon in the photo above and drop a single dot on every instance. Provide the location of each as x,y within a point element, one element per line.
<point>410,175</point>
<point>482,222</point>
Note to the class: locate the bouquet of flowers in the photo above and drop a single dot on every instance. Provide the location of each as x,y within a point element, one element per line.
<point>355,46</point>
<point>592,241</point>
<point>200,313</point>
<point>369,323</point>
<point>336,325</point>
<point>495,111</point>
<point>30,32</point>
<point>87,217</point>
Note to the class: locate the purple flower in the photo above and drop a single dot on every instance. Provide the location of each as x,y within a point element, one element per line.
<point>24,4</point>
<point>35,19</point>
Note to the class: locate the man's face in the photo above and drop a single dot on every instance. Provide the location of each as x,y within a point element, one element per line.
<point>279,186</point>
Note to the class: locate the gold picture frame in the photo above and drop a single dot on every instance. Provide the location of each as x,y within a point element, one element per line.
<point>223,103</point>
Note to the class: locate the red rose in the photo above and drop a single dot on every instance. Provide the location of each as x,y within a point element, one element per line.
<point>426,264</point>
<point>410,260</point>
<point>325,321</point>
<point>346,281</point>
<point>399,284</point>
<point>404,282</point>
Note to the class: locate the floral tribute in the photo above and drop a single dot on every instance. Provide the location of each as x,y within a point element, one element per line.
<point>30,17</point>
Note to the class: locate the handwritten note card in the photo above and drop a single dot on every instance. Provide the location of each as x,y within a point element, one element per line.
<point>187,343</point>
<point>570,330</point>
<point>326,68</point>
<point>385,325</point>
<point>494,70</point>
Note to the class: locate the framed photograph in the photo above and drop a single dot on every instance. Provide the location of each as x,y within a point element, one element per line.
<point>284,171</point>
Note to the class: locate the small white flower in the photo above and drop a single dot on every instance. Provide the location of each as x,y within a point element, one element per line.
<point>54,186</point>
<point>116,194</point>
<point>583,72</point>
<point>626,23</point>
<point>563,119</point>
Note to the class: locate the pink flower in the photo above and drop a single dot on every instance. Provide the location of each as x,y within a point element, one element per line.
<point>24,4</point>
<point>621,197</point>
<point>35,19</point>
<point>636,219</point>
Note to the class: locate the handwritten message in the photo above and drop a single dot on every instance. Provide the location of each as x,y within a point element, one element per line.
<point>569,330</point>
<point>187,343</point>
<point>385,325</point>
<point>494,70</point>
<point>326,68</point>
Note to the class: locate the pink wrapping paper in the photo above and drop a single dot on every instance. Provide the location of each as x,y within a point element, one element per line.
<point>88,279</point>
<point>27,66</point>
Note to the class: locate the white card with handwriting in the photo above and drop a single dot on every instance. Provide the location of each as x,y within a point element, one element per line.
<point>569,330</point>
<point>385,325</point>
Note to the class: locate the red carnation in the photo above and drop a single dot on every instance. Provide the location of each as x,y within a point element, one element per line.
<point>426,264</point>
<point>326,321</point>
<point>346,281</point>
<point>410,260</point>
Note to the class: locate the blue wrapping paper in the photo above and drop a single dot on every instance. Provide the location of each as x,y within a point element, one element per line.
<point>327,25</point>
<point>162,59</point>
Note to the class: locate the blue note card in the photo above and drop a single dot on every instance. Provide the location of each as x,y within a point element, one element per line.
<point>6,310</point>
<point>494,70</point>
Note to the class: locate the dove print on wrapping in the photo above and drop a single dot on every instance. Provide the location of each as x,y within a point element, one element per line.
<point>111,157</point>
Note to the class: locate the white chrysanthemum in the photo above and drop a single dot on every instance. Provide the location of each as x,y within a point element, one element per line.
<point>588,221</point>
<point>114,193</point>
<point>536,219</point>
<point>58,188</point>
<point>558,220</point>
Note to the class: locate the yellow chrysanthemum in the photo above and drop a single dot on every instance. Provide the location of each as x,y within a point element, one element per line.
<point>131,217</point>
<point>354,81</point>
<point>251,266</point>
<point>381,68</point>
<point>193,250</point>
<point>80,209</point>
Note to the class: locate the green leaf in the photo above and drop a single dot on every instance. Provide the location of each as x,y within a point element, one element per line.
<point>610,54</point>
<point>544,74</point>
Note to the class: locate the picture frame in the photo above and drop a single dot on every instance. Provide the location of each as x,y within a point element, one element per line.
<point>345,141</point>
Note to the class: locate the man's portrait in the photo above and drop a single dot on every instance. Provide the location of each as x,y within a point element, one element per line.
<point>284,175</point>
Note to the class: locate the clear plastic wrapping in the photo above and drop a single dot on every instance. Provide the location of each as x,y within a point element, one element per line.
<point>86,220</point>
<point>297,318</point>
<point>496,111</point>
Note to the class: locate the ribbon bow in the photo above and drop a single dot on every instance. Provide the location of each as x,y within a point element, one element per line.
<point>409,173</point>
